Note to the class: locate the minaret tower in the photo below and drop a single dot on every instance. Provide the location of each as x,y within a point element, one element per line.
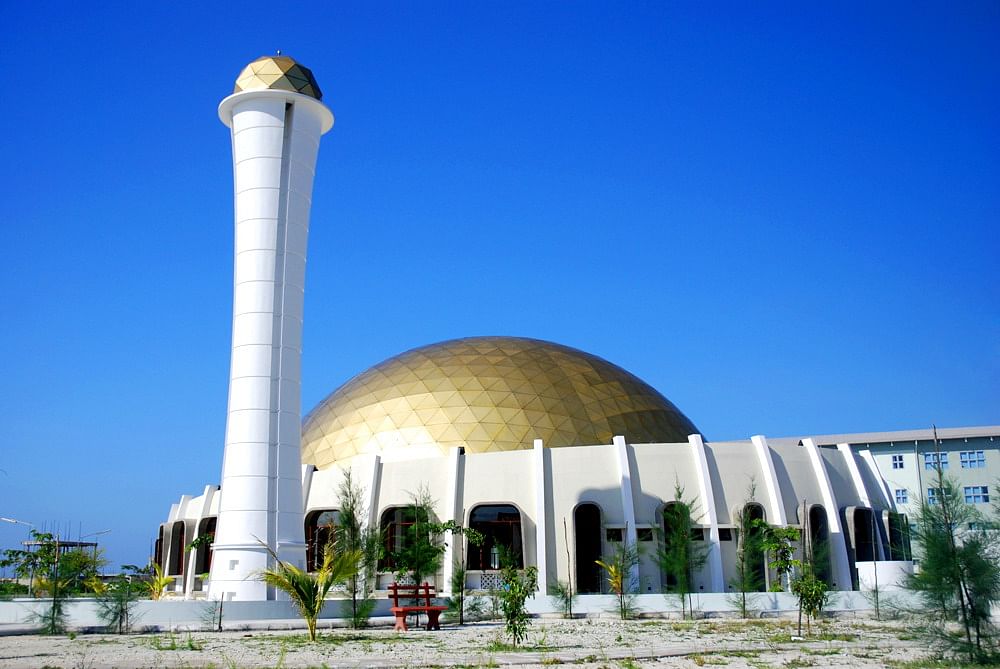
<point>276,119</point>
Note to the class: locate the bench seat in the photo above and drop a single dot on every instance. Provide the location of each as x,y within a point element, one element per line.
<point>424,592</point>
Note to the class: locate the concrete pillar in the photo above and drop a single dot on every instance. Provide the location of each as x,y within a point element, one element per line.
<point>541,526</point>
<point>452,512</point>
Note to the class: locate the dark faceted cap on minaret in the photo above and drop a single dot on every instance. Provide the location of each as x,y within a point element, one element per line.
<point>278,73</point>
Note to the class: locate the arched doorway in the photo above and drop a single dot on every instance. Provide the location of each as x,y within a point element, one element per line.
<point>819,543</point>
<point>158,550</point>
<point>203,556</point>
<point>751,536</point>
<point>587,529</point>
<point>176,553</point>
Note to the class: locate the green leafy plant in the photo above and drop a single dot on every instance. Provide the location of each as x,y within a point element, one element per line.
<point>116,602</point>
<point>459,588</point>
<point>158,582</point>
<point>517,587</point>
<point>211,615</point>
<point>618,569</point>
<point>199,541</point>
<point>811,591</point>
<point>353,534</point>
<point>422,548</point>
<point>777,544</point>
<point>678,554</point>
<point>812,594</point>
<point>53,571</point>
<point>749,554</point>
<point>50,567</point>
<point>308,591</point>
<point>563,596</point>
<point>959,571</point>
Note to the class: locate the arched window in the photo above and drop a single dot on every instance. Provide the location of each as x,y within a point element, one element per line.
<point>176,554</point>
<point>203,556</point>
<point>819,543</point>
<point>587,527</point>
<point>500,525</point>
<point>321,528</point>
<point>398,527</point>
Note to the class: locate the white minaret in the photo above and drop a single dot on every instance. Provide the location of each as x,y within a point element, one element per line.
<point>276,119</point>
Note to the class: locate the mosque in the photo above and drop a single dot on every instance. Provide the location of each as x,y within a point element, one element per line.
<point>556,455</point>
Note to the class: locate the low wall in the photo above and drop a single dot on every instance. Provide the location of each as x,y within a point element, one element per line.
<point>18,614</point>
<point>887,575</point>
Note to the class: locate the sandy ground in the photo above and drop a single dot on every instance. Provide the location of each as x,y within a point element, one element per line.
<point>588,644</point>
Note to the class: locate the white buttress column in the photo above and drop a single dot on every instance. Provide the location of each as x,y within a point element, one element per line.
<point>275,138</point>
<point>541,524</point>
<point>838,547</point>
<point>706,492</point>
<point>631,537</point>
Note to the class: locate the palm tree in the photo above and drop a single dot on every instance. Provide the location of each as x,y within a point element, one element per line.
<point>308,590</point>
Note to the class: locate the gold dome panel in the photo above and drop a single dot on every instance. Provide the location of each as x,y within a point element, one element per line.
<point>278,73</point>
<point>487,394</point>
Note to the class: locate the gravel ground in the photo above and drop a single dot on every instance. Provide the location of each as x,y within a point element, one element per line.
<point>588,644</point>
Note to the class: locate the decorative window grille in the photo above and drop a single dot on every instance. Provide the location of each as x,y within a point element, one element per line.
<point>491,580</point>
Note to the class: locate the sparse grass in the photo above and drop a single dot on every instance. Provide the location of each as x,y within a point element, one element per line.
<point>933,663</point>
<point>822,651</point>
<point>798,662</point>
<point>161,643</point>
<point>336,639</point>
<point>738,653</point>
<point>498,645</point>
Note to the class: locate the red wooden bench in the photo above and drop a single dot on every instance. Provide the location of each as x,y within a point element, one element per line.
<point>424,592</point>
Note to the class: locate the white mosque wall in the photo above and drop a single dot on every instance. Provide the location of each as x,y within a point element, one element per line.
<point>547,486</point>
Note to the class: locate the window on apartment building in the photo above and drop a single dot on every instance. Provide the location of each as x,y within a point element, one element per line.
<point>973,459</point>
<point>932,495</point>
<point>932,460</point>
<point>897,462</point>
<point>901,496</point>
<point>977,494</point>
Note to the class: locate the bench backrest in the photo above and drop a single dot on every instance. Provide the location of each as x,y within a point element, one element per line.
<point>423,591</point>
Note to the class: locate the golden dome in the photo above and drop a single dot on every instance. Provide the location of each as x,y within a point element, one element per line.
<point>487,394</point>
<point>278,73</point>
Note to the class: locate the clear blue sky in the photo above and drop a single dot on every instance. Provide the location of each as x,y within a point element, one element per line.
<point>782,216</point>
